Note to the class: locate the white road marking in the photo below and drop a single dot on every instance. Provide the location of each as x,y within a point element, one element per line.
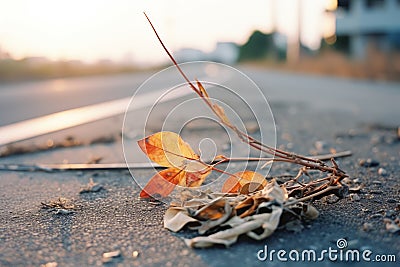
<point>66,119</point>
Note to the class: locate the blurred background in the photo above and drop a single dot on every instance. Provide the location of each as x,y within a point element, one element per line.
<point>54,39</point>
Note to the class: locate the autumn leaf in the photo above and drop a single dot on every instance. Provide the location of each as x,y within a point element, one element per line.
<point>185,168</point>
<point>167,149</point>
<point>162,183</point>
<point>244,182</point>
<point>217,109</point>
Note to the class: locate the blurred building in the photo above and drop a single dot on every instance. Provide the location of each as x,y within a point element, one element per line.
<point>224,52</point>
<point>190,54</point>
<point>367,22</point>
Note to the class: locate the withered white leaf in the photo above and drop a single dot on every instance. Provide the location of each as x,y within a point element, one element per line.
<point>243,214</point>
<point>209,224</point>
<point>175,218</point>
<point>274,191</point>
<point>268,222</point>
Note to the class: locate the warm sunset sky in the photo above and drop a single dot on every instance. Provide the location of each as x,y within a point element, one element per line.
<point>93,29</point>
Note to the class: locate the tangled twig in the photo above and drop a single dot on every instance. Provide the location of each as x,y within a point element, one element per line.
<point>314,189</point>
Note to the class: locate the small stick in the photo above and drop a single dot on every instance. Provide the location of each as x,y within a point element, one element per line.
<point>329,188</point>
<point>281,155</point>
<point>124,166</point>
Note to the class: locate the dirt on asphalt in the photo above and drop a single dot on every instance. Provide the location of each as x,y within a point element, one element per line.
<point>115,220</point>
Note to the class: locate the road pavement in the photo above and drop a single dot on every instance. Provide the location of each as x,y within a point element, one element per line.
<point>312,115</point>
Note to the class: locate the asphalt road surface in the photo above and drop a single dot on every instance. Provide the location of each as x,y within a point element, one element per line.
<point>312,115</point>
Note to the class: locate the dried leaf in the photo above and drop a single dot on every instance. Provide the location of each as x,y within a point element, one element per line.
<point>203,91</point>
<point>231,185</point>
<point>247,207</point>
<point>163,183</point>
<point>250,188</point>
<point>57,204</point>
<point>91,187</point>
<point>268,222</point>
<point>169,150</point>
<point>255,202</point>
<point>194,179</point>
<point>213,214</point>
<point>176,218</point>
<point>252,180</point>
<point>211,211</point>
<point>218,214</point>
<point>274,191</point>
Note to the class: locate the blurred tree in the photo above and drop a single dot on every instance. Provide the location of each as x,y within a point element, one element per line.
<point>257,46</point>
<point>342,44</point>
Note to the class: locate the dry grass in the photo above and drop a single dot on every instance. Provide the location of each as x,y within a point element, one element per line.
<point>376,65</point>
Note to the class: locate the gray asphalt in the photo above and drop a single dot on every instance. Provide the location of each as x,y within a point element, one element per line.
<point>361,116</point>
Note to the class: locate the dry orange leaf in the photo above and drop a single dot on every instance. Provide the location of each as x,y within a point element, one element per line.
<point>185,168</point>
<point>167,149</point>
<point>162,183</point>
<point>251,181</point>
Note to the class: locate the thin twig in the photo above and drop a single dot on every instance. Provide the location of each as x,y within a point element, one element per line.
<point>310,163</point>
<point>326,190</point>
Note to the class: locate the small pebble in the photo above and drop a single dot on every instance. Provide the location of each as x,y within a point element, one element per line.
<point>368,163</point>
<point>185,252</point>
<point>391,200</point>
<point>331,199</point>
<point>355,197</point>
<point>50,264</point>
<point>377,182</point>
<point>367,227</point>
<point>391,226</point>
<point>376,192</point>
<point>112,254</point>
<point>135,254</point>
<point>382,172</point>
